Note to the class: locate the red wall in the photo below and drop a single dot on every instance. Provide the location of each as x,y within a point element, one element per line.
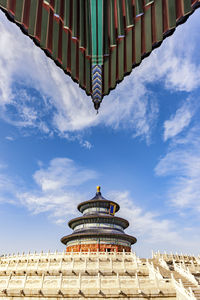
<point>96,247</point>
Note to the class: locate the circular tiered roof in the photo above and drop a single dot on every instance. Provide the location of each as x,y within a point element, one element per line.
<point>98,226</point>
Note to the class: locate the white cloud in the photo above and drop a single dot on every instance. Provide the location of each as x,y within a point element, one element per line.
<point>182,164</point>
<point>62,172</point>
<point>177,62</point>
<point>144,223</point>
<point>86,144</point>
<point>179,121</point>
<point>9,138</point>
<point>3,165</point>
<point>8,186</point>
<point>57,188</point>
<point>152,229</point>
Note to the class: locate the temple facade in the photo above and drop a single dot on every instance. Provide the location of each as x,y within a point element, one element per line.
<point>98,229</point>
<point>98,263</point>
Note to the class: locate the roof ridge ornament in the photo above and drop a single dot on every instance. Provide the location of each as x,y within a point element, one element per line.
<point>98,189</point>
<point>96,86</point>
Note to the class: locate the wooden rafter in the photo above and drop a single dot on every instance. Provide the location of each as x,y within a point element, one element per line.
<point>98,42</point>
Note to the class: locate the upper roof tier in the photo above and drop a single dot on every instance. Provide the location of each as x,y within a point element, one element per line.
<point>98,42</point>
<point>97,204</point>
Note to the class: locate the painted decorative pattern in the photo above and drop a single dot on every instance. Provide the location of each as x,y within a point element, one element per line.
<point>98,42</point>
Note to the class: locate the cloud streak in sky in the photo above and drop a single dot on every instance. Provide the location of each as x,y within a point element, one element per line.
<point>62,172</point>
<point>181,164</point>
<point>152,228</point>
<point>57,188</point>
<point>57,192</point>
<point>180,120</point>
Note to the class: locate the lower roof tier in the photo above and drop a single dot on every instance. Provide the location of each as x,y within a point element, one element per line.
<point>89,235</point>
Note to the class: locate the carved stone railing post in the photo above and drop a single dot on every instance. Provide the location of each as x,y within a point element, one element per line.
<point>37,265</point>
<point>98,264</point>
<point>138,283</point>
<point>185,273</point>
<point>48,265</point>
<point>163,263</point>
<point>41,284</point>
<point>24,284</point>
<point>85,265</point>
<point>118,283</point>
<point>60,282</point>
<point>111,264</point>
<point>154,274</point>
<point>79,283</point>
<point>8,281</point>
<point>72,264</point>
<point>60,265</point>
<point>16,266</point>
<point>7,266</point>
<point>181,292</point>
<point>99,283</point>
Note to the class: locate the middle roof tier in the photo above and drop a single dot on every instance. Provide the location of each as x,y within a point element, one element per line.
<point>98,219</point>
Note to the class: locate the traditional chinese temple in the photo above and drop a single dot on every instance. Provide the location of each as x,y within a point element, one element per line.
<point>98,42</point>
<point>99,264</point>
<point>98,229</point>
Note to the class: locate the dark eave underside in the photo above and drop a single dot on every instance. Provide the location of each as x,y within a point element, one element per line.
<point>129,29</point>
<point>97,218</point>
<point>91,235</point>
<point>98,203</point>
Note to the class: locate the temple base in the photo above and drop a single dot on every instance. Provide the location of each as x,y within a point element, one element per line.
<point>98,247</point>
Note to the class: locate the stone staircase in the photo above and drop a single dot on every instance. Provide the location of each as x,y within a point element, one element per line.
<point>186,283</point>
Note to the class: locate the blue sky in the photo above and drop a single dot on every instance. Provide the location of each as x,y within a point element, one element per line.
<point>143,147</point>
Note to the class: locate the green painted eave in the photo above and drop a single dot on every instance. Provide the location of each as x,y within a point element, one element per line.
<point>98,42</point>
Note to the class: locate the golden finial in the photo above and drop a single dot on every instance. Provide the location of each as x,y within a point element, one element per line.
<point>98,189</point>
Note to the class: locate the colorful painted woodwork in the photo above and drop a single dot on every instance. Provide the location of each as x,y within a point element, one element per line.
<point>98,42</point>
